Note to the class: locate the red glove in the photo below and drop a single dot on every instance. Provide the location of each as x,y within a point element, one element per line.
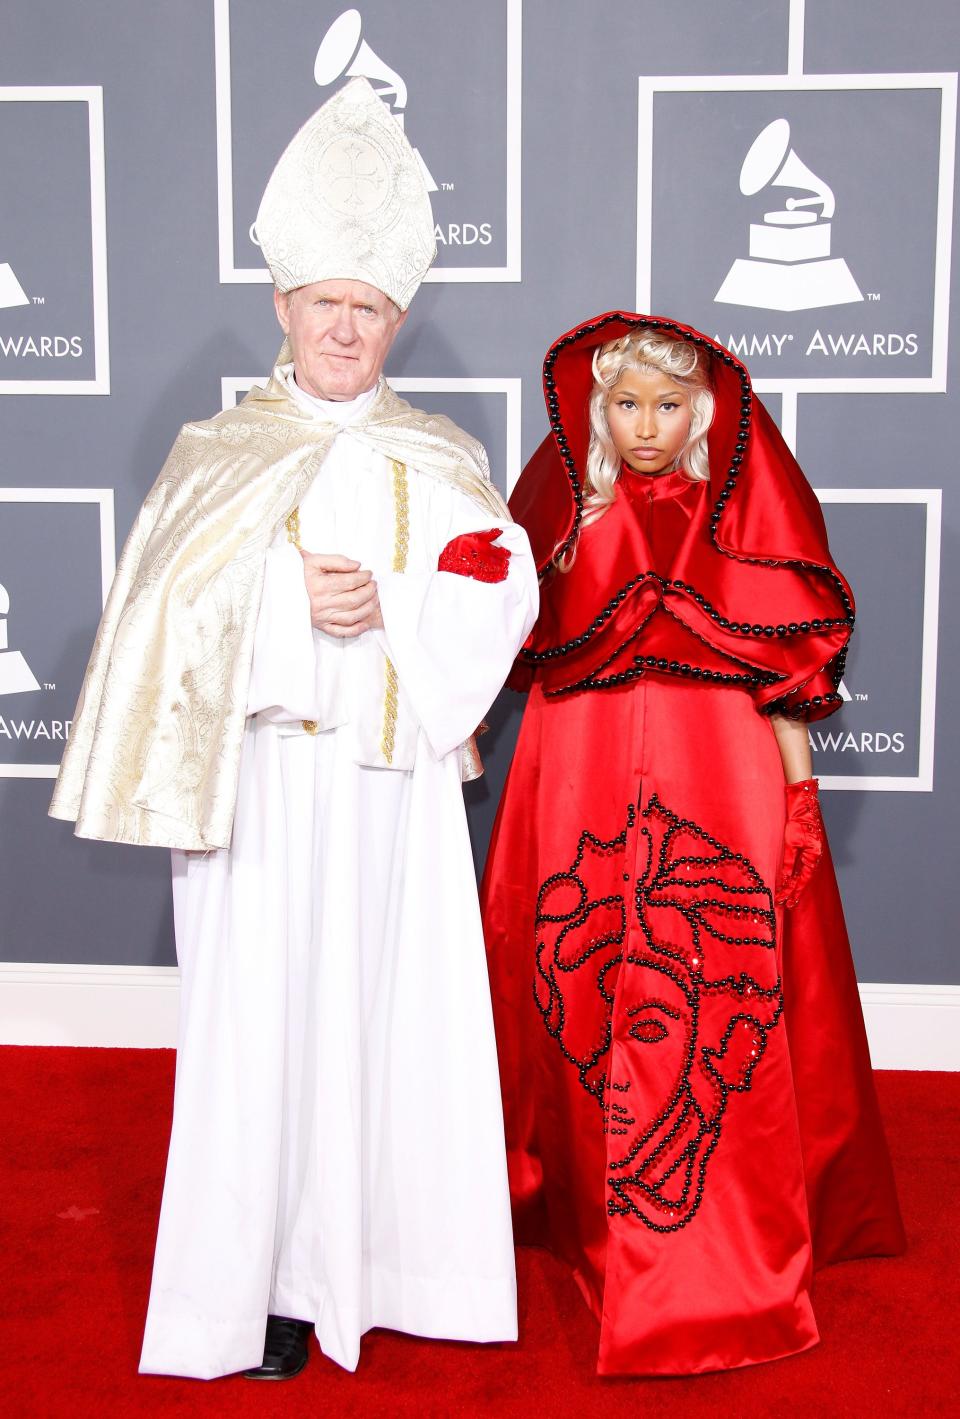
<point>474,555</point>
<point>802,841</point>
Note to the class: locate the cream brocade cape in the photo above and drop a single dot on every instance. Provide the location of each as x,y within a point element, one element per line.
<point>154,753</point>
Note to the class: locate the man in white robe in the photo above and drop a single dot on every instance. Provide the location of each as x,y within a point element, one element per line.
<point>337,1157</point>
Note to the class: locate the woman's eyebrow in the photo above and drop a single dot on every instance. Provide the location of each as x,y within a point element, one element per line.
<point>660,394</point>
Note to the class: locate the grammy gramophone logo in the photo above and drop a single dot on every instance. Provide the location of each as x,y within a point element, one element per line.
<point>344,55</point>
<point>16,677</point>
<point>790,266</point>
<point>11,291</point>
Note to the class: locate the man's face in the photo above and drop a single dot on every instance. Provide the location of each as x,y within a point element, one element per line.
<point>340,333</point>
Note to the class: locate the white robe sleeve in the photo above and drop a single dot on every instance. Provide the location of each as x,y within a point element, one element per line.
<point>452,639</point>
<point>297,672</point>
<point>282,675</point>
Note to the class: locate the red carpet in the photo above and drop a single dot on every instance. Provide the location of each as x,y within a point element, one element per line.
<point>84,1135</point>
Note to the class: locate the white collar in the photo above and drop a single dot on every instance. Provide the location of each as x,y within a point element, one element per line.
<point>334,411</point>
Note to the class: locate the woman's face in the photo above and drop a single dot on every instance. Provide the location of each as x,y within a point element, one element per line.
<point>649,418</point>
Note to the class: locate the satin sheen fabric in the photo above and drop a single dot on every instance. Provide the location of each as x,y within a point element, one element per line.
<point>690,1114</point>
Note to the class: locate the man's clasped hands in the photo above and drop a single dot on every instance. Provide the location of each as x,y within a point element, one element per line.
<point>343,597</point>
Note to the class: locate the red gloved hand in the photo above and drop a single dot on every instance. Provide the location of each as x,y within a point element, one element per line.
<point>473,554</point>
<point>803,835</point>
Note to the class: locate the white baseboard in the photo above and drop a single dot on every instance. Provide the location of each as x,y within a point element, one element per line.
<point>912,1026</point>
<point>909,1026</point>
<point>130,1007</point>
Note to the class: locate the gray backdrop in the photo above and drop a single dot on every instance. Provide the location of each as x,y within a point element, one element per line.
<point>625,186</point>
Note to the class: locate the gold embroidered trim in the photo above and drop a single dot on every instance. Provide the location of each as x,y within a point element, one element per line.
<point>401,504</point>
<point>401,516</point>
<point>293,535</point>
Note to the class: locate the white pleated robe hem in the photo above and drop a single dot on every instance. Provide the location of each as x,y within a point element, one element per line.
<point>390,1204</point>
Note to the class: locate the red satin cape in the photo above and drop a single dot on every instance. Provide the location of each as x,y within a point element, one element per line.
<point>748,595</point>
<point>689,1108</point>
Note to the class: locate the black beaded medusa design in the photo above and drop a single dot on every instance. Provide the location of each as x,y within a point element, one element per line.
<point>580,944</point>
<point>690,1001</point>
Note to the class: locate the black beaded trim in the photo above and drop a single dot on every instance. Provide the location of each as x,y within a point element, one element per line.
<point>734,628</point>
<point>800,709</point>
<point>752,678</point>
<point>733,471</point>
<point>643,663</point>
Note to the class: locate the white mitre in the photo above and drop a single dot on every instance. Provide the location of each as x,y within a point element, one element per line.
<point>348,201</point>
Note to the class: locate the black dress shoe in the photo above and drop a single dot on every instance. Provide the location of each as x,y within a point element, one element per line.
<point>284,1350</point>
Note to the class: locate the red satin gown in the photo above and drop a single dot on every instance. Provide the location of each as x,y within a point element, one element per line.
<point>691,1122</point>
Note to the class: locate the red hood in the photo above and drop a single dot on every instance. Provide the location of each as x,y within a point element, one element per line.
<point>762,510</point>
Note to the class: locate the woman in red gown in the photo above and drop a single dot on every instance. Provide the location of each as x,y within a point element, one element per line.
<point>691,1122</point>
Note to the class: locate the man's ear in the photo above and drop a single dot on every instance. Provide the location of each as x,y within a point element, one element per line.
<point>281,304</point>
